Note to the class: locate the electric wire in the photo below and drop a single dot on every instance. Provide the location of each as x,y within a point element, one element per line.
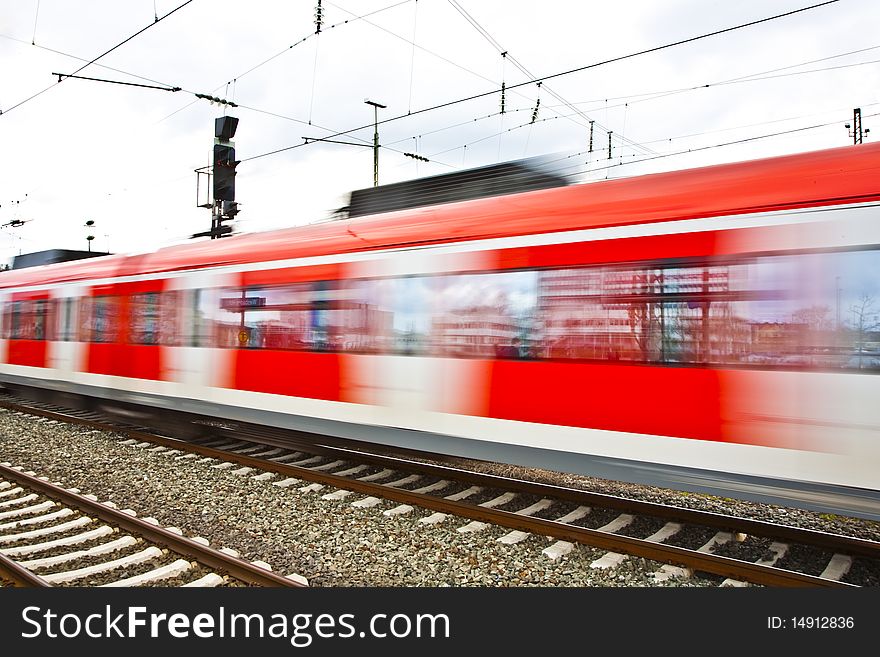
<point>560,74</point>
<point>92,61</point>
<point>483,32</point>
<point>291,46</point>
<point>709,147</point>
<point>36,16</point>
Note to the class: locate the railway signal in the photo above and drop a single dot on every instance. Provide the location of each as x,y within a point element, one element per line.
<point>223,206</point>
<point>224,172</point>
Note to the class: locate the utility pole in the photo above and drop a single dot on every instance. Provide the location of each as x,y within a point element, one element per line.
<point>856,132</point>
<point>376,107</point>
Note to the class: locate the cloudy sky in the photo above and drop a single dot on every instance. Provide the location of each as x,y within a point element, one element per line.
<point>124,156</point>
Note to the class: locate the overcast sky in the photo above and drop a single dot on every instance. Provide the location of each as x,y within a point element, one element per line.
<point>124,156</point>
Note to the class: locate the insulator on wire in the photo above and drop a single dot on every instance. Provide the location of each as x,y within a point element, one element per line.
<point>319,17</point>
<point>503,88</point>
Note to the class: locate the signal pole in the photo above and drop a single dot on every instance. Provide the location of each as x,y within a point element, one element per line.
<point>376,107</point>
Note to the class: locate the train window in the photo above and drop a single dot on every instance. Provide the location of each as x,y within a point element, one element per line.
<point>28,320</point>
<point>39,310</point>
<point>16,320</point>
<point>389,315</point>
<point>144,318</point>
<point>825,314</point>
<point>599,313</point>
<point>170,310</point>
<point>271,318</point>
<point>486,315</point>
<point>98,320</point>
<point>319,316</point>
<point>361,323</point>
<point>205,319</point>
<point>67,319</point>
<point>339,320</point>
<point>818,310</point>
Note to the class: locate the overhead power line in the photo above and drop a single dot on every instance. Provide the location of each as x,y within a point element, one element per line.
<point>92,61</point>
<point>508,57</point>
<point>704,148</point>
<point>562,73</point>
<point>83,59</point>
<point>291,46</point>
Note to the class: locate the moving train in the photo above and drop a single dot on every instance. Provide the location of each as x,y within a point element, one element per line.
<point>713,329</point>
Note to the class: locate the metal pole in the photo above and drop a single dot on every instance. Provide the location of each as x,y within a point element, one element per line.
<point>837,320</point>
<point>376,107</point>
<point>375,146</point>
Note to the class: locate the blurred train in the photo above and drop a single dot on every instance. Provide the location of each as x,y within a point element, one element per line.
<point>713,329</point>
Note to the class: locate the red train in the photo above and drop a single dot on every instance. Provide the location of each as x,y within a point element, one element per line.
<point>714,329</point>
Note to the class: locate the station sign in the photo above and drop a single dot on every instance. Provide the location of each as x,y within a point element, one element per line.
<point>238,304</point>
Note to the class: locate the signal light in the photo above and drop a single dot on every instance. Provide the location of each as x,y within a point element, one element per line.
<point>224,172</point>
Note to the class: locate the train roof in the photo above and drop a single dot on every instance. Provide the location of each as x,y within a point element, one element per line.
<point>836,176</point>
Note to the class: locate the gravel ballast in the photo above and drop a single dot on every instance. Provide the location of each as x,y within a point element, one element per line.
<point>330,542</point>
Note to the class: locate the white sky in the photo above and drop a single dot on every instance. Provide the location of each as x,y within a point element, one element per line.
<point>124,156</point>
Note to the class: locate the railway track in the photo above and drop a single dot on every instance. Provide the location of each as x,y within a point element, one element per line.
<point>735,550</point>
<point>52,536</point>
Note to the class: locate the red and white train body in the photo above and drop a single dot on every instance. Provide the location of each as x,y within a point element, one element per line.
<point>712,329</point>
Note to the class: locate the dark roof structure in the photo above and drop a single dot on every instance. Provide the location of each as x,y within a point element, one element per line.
<point>51,256</point>
<point>492,180</point>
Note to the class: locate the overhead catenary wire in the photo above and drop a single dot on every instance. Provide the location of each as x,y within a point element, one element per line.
<point>754,77</point>
<point>747,78</point>
<point>709,147</point>
<point>562,73</point>
<point>290,47</point>
<point>95,59</point>
<point>36,16</point>
<point>485,33</point>
<point>412,62</point>
<point>83,59</point>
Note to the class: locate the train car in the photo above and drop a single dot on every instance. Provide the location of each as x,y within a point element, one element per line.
<point>713,329</point>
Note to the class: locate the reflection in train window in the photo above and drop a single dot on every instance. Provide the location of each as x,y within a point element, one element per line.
<point>98,319</point>
<point>806,310</point>
<point>65,310</point>
<point>817,310</point>
<point>391,315</point>
<point>144,318</point>
<point>486,315</point>
<point>27,320</point>
<point>273,318</point>
<point>170,310</point>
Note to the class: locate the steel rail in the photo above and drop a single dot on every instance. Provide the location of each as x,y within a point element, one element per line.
<point>20,575</point>
<point>838,542</point>
<point>716,564</point>
<point>711,563</point>
<point>238,568</point>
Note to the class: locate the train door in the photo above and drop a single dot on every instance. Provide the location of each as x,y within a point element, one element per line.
<point>4,328</point>
<point>66,354</point>
<point>193,358</point>
<point>394,373</point>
